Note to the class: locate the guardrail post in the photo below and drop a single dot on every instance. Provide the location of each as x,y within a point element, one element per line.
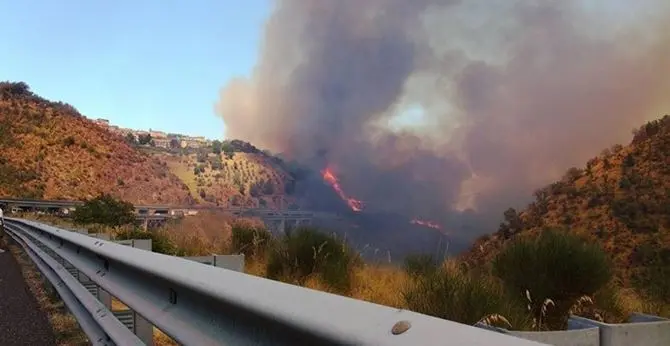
<point>230,262</point>
<point>140,326</point>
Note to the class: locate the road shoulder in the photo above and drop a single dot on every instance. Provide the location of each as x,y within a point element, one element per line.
<point>22,321</point>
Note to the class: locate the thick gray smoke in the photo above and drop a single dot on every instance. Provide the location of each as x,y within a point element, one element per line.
<point>509,94</point>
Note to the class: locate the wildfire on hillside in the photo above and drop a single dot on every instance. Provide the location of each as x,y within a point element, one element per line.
<point>426,223</point>
<point>332,180</point>
<point>357,205</point>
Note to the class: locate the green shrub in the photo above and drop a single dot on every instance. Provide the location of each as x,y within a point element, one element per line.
<point>249,240</point>
<point>159,242</point>
<point>105,210</point>
<point>417,265</point>
<point>555,265</point>
<point>652,277</point>
<point>305,252</point>
<point>454,294</point>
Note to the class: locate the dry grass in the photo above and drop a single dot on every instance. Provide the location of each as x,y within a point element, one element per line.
<point>379,284</point>
<point>182,172</point>
<point>118,305</point>
<point>162,339</point>
<point>209,233</point>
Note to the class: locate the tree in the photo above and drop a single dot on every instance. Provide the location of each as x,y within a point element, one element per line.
<point>653,276</point>
<point>216,163</point>
<point>555,265</point>
<point>628,161</point>
<point>201,157</point>
<point>175,144</point>
<point>131,139</point>
<point>217,147</point>
<point>144,139</point>
<point>227,148</point>
<point>573,174</point>
<point>14,89</point>
<point>513,223</point>
<point>105,210</point>
<point>268,188</point>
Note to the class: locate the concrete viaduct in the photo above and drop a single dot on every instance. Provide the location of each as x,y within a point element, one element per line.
<point>155,215</point>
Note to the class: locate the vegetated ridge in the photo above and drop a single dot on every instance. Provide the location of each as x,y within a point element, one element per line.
<point>232,173</point>
<point>621,199</point>
<point>49,151</point>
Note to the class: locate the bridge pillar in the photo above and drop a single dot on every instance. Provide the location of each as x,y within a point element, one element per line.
<point>145,224</point>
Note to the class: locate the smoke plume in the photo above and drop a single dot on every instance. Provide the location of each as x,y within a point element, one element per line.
<point>504,96</point>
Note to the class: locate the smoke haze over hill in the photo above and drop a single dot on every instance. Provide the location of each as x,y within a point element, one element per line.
<point>507,95</point>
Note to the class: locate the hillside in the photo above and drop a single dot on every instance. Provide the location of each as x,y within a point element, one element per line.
<point>232,173</point>
<point>49,151</point>
<point>621,199</point>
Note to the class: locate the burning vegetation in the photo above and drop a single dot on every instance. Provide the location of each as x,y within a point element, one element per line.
<point>428,125</point>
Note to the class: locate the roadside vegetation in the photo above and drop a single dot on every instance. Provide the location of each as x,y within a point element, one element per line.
<point>534,283</point>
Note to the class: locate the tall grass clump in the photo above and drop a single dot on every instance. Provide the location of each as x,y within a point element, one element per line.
<point>250,240</point>
<point>452,293</point>
<point>305,252</point>
<point>555,266</point>
<point>420,265</point>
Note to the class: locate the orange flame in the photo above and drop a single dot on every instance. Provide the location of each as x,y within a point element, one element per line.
<point>331,179</point>
<point>426,223</point>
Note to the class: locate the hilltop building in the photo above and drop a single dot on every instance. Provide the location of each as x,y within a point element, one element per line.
<point>160,139</point>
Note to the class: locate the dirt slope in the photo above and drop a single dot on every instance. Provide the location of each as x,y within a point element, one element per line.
<point>48,150</point>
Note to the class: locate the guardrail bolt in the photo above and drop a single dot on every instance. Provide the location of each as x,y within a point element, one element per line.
<point>401,327</point>
<point>173,296</point>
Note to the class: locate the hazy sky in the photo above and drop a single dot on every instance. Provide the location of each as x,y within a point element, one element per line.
<point>141,64</point>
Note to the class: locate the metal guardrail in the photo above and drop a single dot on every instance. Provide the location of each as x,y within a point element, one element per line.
<point>197,304</point>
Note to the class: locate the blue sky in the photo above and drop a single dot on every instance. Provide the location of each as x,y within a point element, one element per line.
<point>142,64</point>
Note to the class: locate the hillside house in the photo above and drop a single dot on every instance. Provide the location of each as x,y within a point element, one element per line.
<point>158,134</point>
<point>193,142</point>
<point>161,142</point>
<point>101,122</point>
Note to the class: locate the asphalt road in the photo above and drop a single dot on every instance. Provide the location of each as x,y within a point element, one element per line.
<point>21,320</point>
